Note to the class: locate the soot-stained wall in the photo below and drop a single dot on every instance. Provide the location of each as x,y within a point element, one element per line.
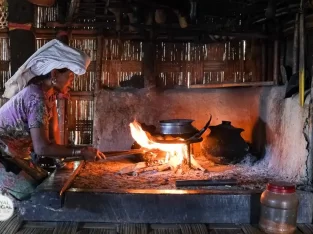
<point>273,125</point>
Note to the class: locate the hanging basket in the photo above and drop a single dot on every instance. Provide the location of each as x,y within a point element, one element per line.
<point>43,3</point>
<point>3,14</point>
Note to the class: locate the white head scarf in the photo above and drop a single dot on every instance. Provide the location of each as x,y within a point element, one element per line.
<point>53,55</point>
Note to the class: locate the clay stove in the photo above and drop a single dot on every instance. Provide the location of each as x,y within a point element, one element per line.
<point>167,161</point>
<point>133,190</point>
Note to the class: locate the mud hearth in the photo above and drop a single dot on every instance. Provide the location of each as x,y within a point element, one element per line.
<point>106,176</point>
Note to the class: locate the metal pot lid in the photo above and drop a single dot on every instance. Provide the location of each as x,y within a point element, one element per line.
<point>176,121</point>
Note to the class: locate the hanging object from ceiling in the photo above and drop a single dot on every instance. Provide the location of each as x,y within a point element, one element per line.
<point>44,3</point>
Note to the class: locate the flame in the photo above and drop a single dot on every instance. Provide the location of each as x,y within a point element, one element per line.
<point>175,153</point>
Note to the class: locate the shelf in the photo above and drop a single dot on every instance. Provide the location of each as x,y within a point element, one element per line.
<point>230,85</point>
<point>51,32</point>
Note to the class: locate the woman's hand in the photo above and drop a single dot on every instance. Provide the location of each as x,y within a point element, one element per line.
<point>92,154</point>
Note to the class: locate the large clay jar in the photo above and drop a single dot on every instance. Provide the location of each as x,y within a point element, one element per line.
<point>224,144</point>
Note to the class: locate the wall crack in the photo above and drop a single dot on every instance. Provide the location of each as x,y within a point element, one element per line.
<point>307,131</point>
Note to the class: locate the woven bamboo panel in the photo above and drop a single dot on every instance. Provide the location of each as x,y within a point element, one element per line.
<point>5,68</point>
<point>80,121</point>
<point>43,15</point>
<point>41,41</point>
<point>121,61</point>
<point>86,82</point>
<point>2,101</point>
<point>188,63</point>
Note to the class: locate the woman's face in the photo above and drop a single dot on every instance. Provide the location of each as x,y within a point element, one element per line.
<point>64,80</point>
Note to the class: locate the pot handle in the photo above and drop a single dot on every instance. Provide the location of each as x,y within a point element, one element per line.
<point>199,134</point>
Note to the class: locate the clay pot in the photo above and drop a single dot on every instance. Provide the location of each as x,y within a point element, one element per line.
<point>224,144</point>
<point>44,3</point>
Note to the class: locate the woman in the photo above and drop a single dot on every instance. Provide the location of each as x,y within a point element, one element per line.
<point>29,118</point>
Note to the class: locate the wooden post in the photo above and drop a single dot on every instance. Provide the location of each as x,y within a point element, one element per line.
<point>276,62</point>
<point>22,41</point>
<point>263,60</point>
<point>270,60</point>
<point>310,134</point>
<point>61,120</point>
<point>62,103</point>
<point>149,64</point>
<point>99,62</point>
<point>97,86</point>
<point>295,45</point>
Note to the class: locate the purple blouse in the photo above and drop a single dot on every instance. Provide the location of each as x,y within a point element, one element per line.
<point>30,108</point>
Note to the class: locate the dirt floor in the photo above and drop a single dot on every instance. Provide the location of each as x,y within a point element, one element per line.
<point>106,176</point>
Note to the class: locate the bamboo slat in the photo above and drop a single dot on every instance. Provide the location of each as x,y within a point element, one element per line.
<point>66,228</point>
<point>306,228</point>
<point>11,225</point>
<point>229,62</point>
<point>121,61</point>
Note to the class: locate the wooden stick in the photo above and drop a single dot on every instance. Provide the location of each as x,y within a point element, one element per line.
<point>98,71</point>
<point>295,45</point>
<point>111,156</point>
<point>276,62</point>
<point>71,178</point>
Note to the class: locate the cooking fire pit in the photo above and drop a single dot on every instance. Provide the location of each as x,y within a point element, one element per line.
<point>168,185</point>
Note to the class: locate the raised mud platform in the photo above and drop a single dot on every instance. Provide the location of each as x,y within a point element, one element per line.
<point>201,205</point>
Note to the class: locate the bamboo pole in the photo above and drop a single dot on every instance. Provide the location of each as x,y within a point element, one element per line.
<point>99,63</point>
<point>301,57</point>
<point>276,62</point>
<point>295,45</point>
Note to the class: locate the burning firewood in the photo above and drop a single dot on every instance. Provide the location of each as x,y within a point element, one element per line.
<point>153,168</point>
<point>160,156</point>
<point>154,157</point>
<point>132,168</point>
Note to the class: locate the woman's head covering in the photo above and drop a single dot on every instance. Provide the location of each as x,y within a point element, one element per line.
<point>53,55</point>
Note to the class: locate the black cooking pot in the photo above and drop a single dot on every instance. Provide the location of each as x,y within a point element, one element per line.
<point>224,144</point>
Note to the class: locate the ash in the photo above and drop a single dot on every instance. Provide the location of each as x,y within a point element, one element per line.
<point>250,174</point>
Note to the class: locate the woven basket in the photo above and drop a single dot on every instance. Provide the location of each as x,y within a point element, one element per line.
<point>3,14</point>
<point>44,3</point>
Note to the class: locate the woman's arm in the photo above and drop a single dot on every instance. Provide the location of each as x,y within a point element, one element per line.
<point>54,130</point>
<point>37,119</point>
<point>42,146</point>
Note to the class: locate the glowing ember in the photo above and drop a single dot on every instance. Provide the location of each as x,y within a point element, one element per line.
<point>175,153</point>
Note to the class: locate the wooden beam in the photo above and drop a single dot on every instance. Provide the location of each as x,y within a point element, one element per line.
<point>149,64</point>
<point>22,42</point>
<point>99,64</point>
<point>229,85</point>
<point>276,62</point>
<point>295,46</point>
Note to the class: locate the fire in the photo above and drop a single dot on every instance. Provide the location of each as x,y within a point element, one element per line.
<point>175,153</point>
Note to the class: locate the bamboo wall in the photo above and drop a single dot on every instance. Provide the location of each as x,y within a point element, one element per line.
<point>5,69</point>
<point>121,60</point>
<point>176,64</point>
<point>185,64</point>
